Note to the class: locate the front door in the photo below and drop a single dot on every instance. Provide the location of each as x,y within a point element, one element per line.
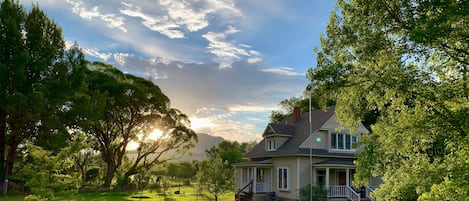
<point>342,179</point>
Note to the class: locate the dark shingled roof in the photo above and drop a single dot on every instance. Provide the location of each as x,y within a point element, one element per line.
<point>291,146</point>
<point>277,128</point>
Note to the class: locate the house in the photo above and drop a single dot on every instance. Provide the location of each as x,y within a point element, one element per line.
<point>289,158</point>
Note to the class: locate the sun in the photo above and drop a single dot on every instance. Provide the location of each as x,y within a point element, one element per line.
<point>155,135</point>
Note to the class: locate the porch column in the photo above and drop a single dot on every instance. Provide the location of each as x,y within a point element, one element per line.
<point>315,176</point>
<point>327,178</point>
<point>254,178</point>
<point>347,177</point>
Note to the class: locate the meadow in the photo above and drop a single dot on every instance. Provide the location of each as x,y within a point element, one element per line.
<point>187,193</point>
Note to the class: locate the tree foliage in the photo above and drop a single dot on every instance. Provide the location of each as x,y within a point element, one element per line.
<point>38,76</point>
<point>121,108</point>
<point>217,175</point>
<point>407,61</point>
<point>230,151</point>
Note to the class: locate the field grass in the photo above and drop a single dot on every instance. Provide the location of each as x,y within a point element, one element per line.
<point>187,193</point>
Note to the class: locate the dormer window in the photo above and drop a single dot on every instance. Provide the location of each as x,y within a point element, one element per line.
<point>270,145</point>
<point>341,141</point>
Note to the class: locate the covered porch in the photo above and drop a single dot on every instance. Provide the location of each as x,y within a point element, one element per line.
<point>337,177</point>
<point>258,173</point>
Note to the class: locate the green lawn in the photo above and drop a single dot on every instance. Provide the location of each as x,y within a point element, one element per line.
<point>187,194</point>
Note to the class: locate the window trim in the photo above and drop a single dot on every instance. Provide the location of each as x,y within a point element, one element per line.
<point>286,180</point>
<point>271,144</point>
<point>344,141</point>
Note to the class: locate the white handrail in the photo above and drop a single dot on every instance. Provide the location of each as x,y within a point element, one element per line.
<point>352,195</point>
<point>369,190</point>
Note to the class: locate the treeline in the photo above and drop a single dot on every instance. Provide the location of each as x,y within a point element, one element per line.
<point>66,122</point>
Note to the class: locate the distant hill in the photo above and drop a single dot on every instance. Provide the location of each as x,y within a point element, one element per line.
<point>205,142</point>
<point>196,153</point>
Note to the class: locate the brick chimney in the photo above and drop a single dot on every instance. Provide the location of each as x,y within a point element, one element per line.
<point>296,114</point>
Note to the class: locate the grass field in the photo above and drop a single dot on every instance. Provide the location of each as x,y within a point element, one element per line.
<point>187,193</point>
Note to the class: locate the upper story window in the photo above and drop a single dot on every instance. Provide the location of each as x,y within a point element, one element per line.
<point>270,145</point>
<point>341,141</point>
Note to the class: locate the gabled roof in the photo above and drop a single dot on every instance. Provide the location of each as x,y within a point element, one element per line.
<point>301,133</point>
<point>279,129</point>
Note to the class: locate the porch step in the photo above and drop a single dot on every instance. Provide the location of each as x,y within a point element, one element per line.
<point>244,196</point>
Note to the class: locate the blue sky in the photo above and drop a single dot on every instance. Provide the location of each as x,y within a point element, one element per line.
<point>226,64</point>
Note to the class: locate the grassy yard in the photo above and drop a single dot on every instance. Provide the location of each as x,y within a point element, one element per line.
<point>186,194</point>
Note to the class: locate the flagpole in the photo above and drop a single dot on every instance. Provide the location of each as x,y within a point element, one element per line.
<point>310,150</point>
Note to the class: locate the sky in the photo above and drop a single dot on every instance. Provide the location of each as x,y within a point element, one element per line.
<point>225,63</point>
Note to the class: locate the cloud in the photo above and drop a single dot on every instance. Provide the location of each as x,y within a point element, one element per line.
<point>229,51</point>
<point>220,101</point>
<point>251,108</point>
<point>254,60</point>
<point>174,18</point>
<point>282,71</point>
<point>160,24</point>
<point>112,20</point>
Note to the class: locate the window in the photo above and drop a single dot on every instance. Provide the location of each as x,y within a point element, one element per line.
<point>340,141</point>
<point>321,180</point>
<point>246,175</point>
<point>283,176</point>
<point>271,145</point>
<point>260,175</point>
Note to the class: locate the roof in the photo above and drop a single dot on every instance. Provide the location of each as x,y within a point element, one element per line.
<point>267,162</point>
<point>279,129</point>
<point>335,162</point>
<point>301,128</point>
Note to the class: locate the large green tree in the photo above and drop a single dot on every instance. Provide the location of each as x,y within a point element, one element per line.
<point>121,109</point>
<point>407,61</point>
<point>37,79</point>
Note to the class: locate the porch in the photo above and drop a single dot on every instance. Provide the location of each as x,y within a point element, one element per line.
<point>337,178</point>
<point>259,177</point>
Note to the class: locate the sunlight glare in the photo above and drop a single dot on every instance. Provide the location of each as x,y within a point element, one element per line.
<point>155,134</point>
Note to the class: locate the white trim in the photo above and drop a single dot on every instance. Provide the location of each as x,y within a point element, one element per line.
<point>288,182</point>
<point>298,165</point>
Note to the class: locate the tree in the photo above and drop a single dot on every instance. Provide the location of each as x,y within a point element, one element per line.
<point>217,175</point>
<point>287,105</point>
<point>38,77</point>
<point>230,151</point>
<point>405,61</point>
<point>122,108</point>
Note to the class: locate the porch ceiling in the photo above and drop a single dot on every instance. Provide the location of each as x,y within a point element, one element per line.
<point>334,163</point>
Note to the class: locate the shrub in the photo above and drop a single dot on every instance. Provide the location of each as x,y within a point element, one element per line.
<point>318,192</point>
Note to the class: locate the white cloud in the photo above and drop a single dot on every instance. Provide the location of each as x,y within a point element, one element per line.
<point>254,60</point>
<point>251,108</point>
<point>224,7</point>
<point>219,46</point>
<point>282,71</point>
<point>96,53</point>
<point>112,20</point>
<point>161,24</point>
<point>120,58</point>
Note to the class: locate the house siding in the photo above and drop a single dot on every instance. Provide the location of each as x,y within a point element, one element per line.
<point>312,140</point>
<point>290,163</point>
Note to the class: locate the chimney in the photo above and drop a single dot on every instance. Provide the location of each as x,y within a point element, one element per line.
<point>296,114</point>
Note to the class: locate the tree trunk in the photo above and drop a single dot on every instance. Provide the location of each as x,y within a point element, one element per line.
<point>111,170</point>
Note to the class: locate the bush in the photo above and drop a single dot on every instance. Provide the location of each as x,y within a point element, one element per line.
<point>34,198</point>
<point>319,193</point>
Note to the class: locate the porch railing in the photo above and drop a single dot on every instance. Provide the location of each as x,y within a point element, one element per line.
<point>245,193</point>
<point>343,191</point>
<point>337,191</point>
<point>369,190</point>
<point>352,195</point>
